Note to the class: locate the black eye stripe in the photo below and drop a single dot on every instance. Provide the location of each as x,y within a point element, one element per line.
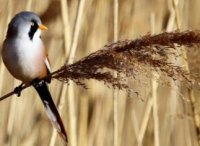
<point>33,29</point>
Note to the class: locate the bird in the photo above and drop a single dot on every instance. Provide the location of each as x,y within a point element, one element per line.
<point>26,58</point>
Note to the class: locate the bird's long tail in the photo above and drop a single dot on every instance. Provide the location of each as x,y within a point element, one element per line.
<point>51,109</point>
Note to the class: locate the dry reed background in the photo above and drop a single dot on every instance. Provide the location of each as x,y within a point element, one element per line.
<point>159,115</point>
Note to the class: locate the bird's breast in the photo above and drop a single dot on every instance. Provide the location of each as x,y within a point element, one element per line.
<point>24,59</point>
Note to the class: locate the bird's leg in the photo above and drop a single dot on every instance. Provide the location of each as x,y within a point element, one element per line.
<point>18,89</point>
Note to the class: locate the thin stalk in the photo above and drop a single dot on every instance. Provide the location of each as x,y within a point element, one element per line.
<point>144,124</point>
<point>2,70</point>
<point>66,24</point>
<point>155,108</point>
<point>168,126</point>
<point>28,5</point>
<point>116,92</point>
<point>60,107</point>
<point>67,43</point>
<point>195,113</point>
<point>76,32</point>
<point>11,115</point>
<point>154,82</point>
<point>71,97</point>
<point>83,125</point>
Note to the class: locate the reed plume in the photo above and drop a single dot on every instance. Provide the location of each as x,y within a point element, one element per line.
<point>129,57</point>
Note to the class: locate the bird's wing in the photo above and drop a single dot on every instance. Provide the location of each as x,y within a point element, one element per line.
<point>47,63</point>
<point>48,67</point>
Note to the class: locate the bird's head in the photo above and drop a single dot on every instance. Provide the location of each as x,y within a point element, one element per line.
<point>25,24</point>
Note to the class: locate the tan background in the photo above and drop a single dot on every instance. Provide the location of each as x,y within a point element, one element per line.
<point>89,114</point>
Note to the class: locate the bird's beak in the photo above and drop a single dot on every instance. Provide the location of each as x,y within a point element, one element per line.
<point>42,27</point>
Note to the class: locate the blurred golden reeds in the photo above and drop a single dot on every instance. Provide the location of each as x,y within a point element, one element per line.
<point>163,111</point>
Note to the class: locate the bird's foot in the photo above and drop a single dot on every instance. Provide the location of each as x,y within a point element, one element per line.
<point>35,82</point>
<point>18,90</point>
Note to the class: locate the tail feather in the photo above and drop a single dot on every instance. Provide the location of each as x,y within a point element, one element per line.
<point>51,109</point>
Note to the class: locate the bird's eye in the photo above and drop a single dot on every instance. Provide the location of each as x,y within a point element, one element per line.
<point>32,23</point>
